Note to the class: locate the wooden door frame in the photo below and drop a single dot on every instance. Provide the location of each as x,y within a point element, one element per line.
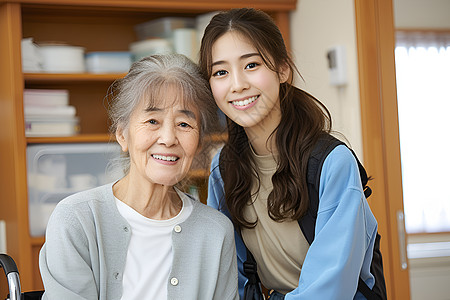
<point>376,44</point>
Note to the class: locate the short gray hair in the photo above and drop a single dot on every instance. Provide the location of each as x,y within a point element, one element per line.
<point>149,78</point>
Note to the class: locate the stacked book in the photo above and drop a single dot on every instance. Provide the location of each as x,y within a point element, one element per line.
<point>48,113</point>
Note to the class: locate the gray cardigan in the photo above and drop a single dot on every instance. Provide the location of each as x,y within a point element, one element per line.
<point>86,245</point>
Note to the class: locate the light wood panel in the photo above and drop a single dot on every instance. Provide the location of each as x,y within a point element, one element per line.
<point>283,23</point>
<point>375,38</point>
<point>13,204</point>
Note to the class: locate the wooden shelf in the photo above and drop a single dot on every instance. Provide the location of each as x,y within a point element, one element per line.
<point>174,6</point>
<point>96,25</point>
<point>70,77</point>
<point>81,138</point>
<point>100,138</point>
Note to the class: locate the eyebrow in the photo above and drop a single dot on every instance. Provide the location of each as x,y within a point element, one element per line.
<point>186,112</point>
<point>220,62</point>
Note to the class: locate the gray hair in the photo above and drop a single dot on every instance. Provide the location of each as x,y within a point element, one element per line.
<point>148,79</point>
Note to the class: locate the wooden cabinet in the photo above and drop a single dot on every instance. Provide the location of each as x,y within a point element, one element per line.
<point>97,25</point>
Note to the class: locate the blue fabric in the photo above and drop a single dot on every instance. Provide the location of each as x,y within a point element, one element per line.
<point>274,295</point>
<point>344,235</point>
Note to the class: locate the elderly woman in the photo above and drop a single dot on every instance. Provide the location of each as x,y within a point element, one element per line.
<point>141,237</point>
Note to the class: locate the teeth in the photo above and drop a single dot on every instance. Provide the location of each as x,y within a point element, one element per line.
<point>166,158</point>
<point>244,102</point>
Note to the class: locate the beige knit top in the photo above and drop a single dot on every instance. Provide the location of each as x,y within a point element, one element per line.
<point>279,248</point>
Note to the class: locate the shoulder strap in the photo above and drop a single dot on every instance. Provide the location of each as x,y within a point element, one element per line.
<point>252,289</point>
<point>363,174</point>
<point>323,147</point>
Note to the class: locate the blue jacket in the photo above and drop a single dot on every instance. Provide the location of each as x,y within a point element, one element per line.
<point>344,235</point>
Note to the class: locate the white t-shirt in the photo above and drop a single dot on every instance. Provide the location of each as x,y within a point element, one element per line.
<point>149,256</point>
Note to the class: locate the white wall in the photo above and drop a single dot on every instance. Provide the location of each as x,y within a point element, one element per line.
<point>429,267</point>
<point>317,25</point>
<point>423,14</point>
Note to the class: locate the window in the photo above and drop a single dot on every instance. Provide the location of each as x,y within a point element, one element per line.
<point>423,88</point>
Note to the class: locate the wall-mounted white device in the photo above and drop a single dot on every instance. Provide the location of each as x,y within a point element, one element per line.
<point>337,65</point>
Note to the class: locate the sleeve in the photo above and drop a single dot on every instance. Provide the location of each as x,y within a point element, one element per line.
<point>216,199</point>
<point>228,276</point>
<point>64,259</point>
<point>334,260</point>
<point>215,186</point>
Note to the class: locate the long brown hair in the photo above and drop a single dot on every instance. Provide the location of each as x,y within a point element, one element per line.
<point>303,119</point>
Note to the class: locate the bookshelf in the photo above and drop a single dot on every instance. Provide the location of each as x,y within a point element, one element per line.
<point>97,25</point>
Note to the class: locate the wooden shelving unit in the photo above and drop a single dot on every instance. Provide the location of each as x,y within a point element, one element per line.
<point>80,138</point>
<point>97,25</point>
<point>53,78</point>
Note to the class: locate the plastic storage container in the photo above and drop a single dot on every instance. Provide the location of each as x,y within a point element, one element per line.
<point>56,171</point>
<point>163,27</point>
<point>38,127</point>
<point>62,58</point>
<point>108,62</point>
<point>148,47</point>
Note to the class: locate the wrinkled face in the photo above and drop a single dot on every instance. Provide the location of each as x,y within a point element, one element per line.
<point>162,141</point>
<point>244,88</point>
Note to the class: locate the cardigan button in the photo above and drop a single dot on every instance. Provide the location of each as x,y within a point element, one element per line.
<point>125,228</point>
<point>177,228</point>
<point>174,281</point>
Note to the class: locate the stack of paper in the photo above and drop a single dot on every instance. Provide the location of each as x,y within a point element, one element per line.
<point>48,113</point>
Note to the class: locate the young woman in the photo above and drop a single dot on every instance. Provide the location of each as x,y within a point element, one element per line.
<point>141,237</point>
<point>259,177</point>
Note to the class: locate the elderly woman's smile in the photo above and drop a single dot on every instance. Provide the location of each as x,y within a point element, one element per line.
<point>165,158</point>
<point>162,141</point>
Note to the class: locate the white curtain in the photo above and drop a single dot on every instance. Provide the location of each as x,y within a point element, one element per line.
<point>423,89</point>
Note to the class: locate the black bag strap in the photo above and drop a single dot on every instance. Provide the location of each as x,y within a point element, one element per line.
<point>366,291</point>
<point>325,144</point>
<point>323,147</point>
<point>252,290</point>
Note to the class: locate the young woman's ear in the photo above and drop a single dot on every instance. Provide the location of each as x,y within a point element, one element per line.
<point>285,74</point>
<point>121,138</point>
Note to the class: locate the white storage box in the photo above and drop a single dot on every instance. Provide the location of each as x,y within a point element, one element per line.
<point>62,58</point>
<point>148,47</point>
<point>56,171</point>
<point>38,127</point>
<point>108,62</point>
<point>45,98</point>
<point>163,27</point>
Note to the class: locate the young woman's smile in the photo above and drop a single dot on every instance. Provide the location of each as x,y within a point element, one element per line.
<point>244,88</point>
<point>245,103</point>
